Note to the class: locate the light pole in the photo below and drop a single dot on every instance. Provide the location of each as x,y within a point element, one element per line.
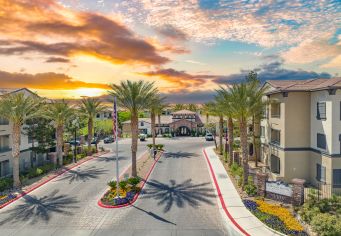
<point>75,124</point>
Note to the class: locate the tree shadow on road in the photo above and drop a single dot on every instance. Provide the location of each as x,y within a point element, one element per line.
<point>157,217</point>
<point>178,194</point>
<point>179,154</point>
<point>83,174</point>
<point>109,159</point>
<point>36,209</point>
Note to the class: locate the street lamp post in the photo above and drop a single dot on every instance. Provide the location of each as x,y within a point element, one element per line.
<point>75,125</point>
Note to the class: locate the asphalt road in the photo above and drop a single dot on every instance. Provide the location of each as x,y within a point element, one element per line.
<point>178,199</point>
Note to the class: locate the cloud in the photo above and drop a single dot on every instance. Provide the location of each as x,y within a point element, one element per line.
<point>171,32</point>
<point>57,60</point>
<point>50,81</point>
<point>265,23</point>
<point>311,51</point>
<point>181,78</point>
<point>48,28</point>
<point>185,96</point>
<point>273,71</point>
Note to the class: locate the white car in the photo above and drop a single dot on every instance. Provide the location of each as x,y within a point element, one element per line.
<point>142,137</point>
<point>209,137</point>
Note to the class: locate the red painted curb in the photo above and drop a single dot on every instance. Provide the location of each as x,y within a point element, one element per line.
<point>221,197</point>
<point>42,183</point>
<point>137,195</point>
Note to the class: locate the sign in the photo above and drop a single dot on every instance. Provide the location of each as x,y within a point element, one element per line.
<point>278,188</point>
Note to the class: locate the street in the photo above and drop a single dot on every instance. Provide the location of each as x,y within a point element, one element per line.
<point>178,198</point>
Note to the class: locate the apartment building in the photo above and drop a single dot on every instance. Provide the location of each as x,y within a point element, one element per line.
<point>27,159</point>
<point>301,131</point>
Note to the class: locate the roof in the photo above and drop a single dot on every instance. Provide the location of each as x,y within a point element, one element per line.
<point>164,120</point>
<point>184,112</point>
<point>304,85</point>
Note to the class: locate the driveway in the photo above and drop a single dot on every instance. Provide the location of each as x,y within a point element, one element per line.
<point>178,199</point>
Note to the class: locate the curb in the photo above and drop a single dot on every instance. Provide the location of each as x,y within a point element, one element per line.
<point>99,202</point>
<point>44,182</point>
<point>234,222</point>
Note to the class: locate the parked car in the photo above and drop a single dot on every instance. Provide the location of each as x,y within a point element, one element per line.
<point>209,137</point>
<point>95,140</point>
<point>74,143</point>
<point>142,137</point>
<point>109,139</point>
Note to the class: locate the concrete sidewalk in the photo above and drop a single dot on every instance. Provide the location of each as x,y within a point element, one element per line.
<point>231,205</point>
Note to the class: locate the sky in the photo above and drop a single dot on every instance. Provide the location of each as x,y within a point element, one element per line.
<point>76,48</point>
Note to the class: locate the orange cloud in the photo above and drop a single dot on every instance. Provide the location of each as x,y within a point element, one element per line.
<point>50,81</point>
<point>48,28</point>
<point>182,79</point>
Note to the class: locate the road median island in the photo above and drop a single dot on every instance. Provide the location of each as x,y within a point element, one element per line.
<point>130,188</point>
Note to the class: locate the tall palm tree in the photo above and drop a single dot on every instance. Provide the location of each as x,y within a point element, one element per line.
<point>224,99</point>
<point>156,104</point>
<point>89,107</point>
<point>60,113</point>
<point>134,96</point>
<point>206,109</point>
<point>18,108</point>
<point>159,111</point>
<point>192,107</point>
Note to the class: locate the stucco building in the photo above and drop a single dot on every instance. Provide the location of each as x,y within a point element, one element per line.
<point>301,131</point>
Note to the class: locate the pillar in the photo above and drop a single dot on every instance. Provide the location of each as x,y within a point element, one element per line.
<point>298,192</point>
<point>261,183</point>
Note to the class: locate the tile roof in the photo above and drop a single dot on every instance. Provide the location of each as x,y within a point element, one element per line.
<point>184,112</point>
<point>304,85</point>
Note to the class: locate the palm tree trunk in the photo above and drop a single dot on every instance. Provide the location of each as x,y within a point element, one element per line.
<point>16,154</point>
<point>60,141</point>
<point>256,139</point>
<point>230,139</point>
<point>244,146</point>
<point>221,131</point>
<point>134,137</point>
<point>90,129</point>
<point>159,120</point>
<point>152,118</point>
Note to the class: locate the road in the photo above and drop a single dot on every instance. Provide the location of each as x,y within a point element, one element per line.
<point>178,199</point>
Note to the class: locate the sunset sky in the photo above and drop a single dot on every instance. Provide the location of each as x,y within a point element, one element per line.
<point>74,48</point>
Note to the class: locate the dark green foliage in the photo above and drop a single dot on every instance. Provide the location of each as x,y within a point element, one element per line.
<point>5,183</point>
<point>123,185</point>
<point>112,184</point>
<point>133,181</point>
<point>250,188</point>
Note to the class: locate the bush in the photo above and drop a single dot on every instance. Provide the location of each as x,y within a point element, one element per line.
<point>150,146</point>
<point>159,146</point>
<point>133,181</point>
<point>325,224</point>
<point>123,185</point>
<point>112,184</point>
<point>5,183</point>
<point>250,188</point>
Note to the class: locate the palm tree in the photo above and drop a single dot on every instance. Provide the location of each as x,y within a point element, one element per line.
<point>224,99</point>
<point>134,96</point>
<point>179,107</point>
<point>206,109</point>
<point>89,107</point>
<point>192,107</point>
<point>156,103</point>
<point>159,111</point>
<point>18,108</point>
<point>60,113</point>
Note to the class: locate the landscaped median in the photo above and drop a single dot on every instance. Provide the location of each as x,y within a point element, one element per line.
<point>35,178</point>
<point>130,188</point>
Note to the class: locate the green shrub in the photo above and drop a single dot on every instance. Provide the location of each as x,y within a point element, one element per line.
<point>159,146</point>
<point>133,181</point>
<point>123,185</point>
<point>150,146</point>
<point>5,183</point>
<point>112,184</point>
<point>34,172</point>
<point>226,157</point>
<point>250,188</point>
<point>307,213</point>
<point>325,224</point>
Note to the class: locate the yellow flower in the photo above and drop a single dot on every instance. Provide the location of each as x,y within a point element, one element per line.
<point>282,213</point>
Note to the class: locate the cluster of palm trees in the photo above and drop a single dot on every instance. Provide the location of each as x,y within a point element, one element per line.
<point>241,103</point>
<point>19,109</point>
<point>135,97</point>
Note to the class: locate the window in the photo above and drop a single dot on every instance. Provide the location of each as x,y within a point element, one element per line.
<point>275,164</point>
<point>337,178</point>
<point>4,121</point>
<point>4,143</point>
<point>276,110</point>
<point>275,136</point>
<point>320,173</point>
<point>321,111</point>
<point>98,115</point>
<point>4,168</point>
<point>321,141</point>
<point>142,123</point>
<point>262,131</point>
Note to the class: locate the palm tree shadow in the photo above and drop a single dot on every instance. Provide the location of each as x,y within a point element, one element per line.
<point>36,209</point>
<point>178,194</point>
<point>83,175</point>
<point>157,217</point>
<point>179,154</point>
